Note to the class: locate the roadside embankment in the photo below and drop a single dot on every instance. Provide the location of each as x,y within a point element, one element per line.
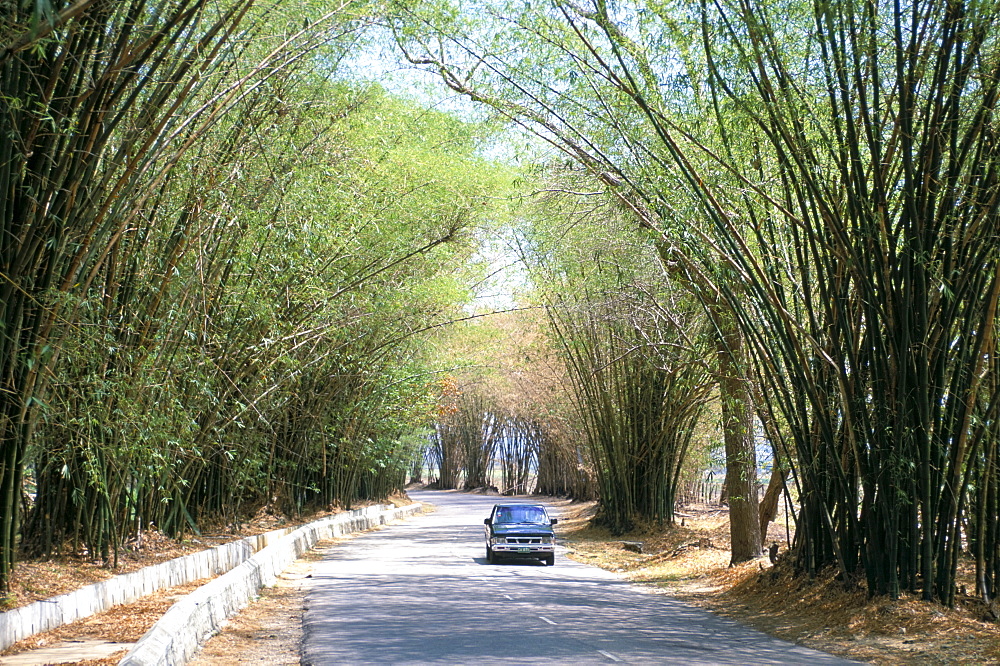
<point>253,562</point>
<point>175,638</point>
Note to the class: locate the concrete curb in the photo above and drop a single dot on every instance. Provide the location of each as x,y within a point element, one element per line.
<point>20,623</point>
<point>176,637</point>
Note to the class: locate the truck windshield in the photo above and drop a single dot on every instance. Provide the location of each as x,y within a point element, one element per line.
<point>520,514</point>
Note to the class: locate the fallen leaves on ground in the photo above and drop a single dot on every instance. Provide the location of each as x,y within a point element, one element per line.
<point>71,569</point>
<point>280,606</point>
<point>125,623</point>
<point>691,562</point>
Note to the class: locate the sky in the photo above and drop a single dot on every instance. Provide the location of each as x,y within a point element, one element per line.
<point>376,63</point>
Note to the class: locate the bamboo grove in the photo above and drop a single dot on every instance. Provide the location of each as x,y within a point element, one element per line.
<point>466,444</point>
<point>884,378</point>
<point>635,350</point>
<point>213,261</point>
<point>478,445</point>
<point>219,261</point>
<point>822,176</point>
<point>503,420</point>
<point>601,396</point>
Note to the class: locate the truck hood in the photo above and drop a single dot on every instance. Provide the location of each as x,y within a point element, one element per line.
<point>522,529</point>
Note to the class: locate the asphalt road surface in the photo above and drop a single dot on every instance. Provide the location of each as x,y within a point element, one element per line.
<point>423,593</point>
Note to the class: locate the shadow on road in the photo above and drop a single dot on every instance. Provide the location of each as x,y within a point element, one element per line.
<point>416,593</point>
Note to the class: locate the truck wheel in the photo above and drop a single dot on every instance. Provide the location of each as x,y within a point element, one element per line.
<point>550,560</point>
<point>490,557</point>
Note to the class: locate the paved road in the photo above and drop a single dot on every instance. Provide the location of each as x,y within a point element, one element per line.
<point>422,593</point>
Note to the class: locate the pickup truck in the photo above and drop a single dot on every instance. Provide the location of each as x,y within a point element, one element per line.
<point>520,531</point>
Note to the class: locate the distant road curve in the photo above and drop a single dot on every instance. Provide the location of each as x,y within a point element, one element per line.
<point>423,593</point>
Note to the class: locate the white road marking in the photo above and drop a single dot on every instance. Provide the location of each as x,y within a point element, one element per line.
<point>507,596</point>
<point>546,619</point>
<point>608,655</point>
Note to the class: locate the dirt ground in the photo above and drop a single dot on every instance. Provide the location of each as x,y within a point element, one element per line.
<point>689,561</point>
<point>268,630</point>
<point>34,580</point>
<point>120,624</point>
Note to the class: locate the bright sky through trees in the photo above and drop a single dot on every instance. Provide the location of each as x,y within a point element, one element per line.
<point>380,63</point>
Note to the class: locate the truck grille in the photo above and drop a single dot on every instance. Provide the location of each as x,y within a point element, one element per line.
<point>524,540</point>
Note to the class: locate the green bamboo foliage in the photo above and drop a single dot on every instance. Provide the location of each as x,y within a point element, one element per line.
<point>269,390</point>
<point>215,264</point>
<point>139,321</point>
<point>639,394</point>
<point>888,203</point>
<point>91,93</point>
<point>186,95</point>
<point>825,175</point>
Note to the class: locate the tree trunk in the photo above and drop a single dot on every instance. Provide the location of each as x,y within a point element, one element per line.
<point>741,454</point>
<point>769,505</point>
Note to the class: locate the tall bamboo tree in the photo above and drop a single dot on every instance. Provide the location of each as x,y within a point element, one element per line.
<point>509,66</point>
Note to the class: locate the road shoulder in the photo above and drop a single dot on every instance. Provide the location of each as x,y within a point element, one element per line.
<point>269,630</point>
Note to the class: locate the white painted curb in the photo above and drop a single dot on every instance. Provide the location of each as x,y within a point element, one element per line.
<point>176,637</point>
<point>20,623</point>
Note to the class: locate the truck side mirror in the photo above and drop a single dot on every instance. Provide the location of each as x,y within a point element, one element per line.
<point>487,521</point>
<point>555,520</point>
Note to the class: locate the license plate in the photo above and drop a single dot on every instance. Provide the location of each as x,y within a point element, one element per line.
<point>524,550</point>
